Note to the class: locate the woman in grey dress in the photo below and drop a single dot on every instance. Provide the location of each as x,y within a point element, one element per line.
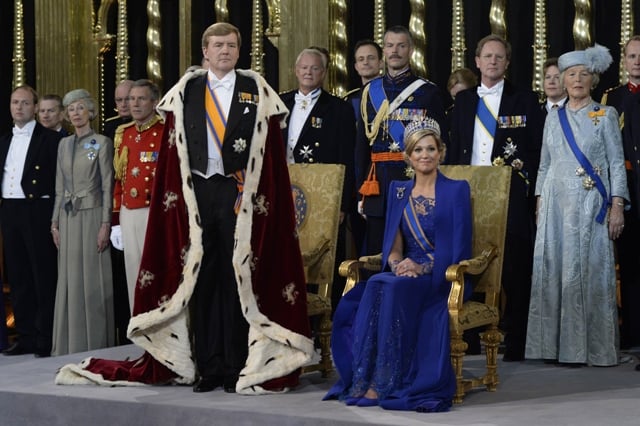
<point>581,192</point>
<point>83,318</point>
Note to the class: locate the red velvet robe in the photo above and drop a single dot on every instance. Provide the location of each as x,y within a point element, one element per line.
<point>279,331</point>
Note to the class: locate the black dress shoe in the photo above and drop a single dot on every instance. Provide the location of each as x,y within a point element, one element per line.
<point>17,349</point>
<point>230,385</point>
<point>42,354</point>
<point>207,384</point>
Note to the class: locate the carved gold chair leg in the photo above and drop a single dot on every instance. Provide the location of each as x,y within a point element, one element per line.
<point>458,348</point>
<point>492,337</point>
<point>325,344</point>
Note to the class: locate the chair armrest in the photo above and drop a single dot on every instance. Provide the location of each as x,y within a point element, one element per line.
<point>372,263</point>
<point>350,269</point>
<point>456,272</point>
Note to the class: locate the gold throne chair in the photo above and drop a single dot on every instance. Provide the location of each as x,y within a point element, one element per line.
<point>490,202</point>
<point>317,193</point>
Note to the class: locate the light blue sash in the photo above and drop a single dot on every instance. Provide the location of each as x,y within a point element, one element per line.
<point>489,122</point>
<point>411,218</point>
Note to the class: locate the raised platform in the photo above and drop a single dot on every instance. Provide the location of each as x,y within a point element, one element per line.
<point>530,393</point>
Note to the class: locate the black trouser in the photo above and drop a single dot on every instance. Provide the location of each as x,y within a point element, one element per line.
<point>220,329</point>
<point>32,269</point>
<point>516,282</point>
<point>628,259</point>
<point>121,310</point>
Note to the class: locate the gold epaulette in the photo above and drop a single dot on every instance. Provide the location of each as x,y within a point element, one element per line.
<point>117,137</point>
<point>605,95</point>
<point>350,92</point>
<point>120,158</point>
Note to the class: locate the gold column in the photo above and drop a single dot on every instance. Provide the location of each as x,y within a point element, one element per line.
<point>305,23</point>
<point>122,49</point>
<point>339,47</point>
<point>539,46</point>
<point>222,13</point>
<point>458,43</point>
<point>18,45</point>
<point>257,48</point>
<point>496,18</point>
<point>626,31</point>
<point>185,35</point>
<point>416,27</point>
<point>73,63</point>
<point>582,24</point>
<point>379,25</point>
<point>104,42</point>
<point>274,27</point>
<point>154,43</point>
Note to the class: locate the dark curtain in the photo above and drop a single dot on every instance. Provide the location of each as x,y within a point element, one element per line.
<point>519,15</point>
<point>6,67</point>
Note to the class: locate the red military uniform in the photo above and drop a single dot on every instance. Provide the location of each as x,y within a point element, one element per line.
<point>135,159</point>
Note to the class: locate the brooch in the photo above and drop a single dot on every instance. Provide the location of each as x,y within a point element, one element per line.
<point>587,181</point>
<point>597,112</point>
<point>400,193</point>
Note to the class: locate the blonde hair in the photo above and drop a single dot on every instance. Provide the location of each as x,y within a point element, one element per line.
<point>412,140</point>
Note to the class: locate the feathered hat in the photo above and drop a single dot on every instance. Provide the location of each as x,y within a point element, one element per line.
<point>597,59</point>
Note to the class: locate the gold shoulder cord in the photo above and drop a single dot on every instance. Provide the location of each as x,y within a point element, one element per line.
<point>377,120</point>
<point>120,158</point>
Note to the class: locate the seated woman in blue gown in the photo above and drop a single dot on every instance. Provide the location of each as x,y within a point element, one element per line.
<point>390,338</point>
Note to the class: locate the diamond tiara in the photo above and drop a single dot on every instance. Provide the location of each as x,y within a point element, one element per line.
<point>426,123</point>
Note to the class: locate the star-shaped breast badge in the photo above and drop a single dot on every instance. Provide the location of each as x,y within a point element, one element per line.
<point>135,172</point>
<point>306,152</point>
<point>239,145</point>
<point>509,149</point>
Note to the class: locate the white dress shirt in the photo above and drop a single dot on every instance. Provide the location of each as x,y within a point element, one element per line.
<point>223,88</point>
<point>559,104</point>
<point>482,141</point>
<point>16,157</point>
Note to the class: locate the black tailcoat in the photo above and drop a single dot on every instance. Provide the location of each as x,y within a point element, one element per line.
<point>30,255</point>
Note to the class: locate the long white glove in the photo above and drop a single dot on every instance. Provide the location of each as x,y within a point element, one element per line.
<point>116,237</point>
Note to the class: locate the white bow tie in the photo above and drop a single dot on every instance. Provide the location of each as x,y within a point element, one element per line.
<point>226,84</point>
<point>20,132</point>
<point>305,100</point>
<point>483,91</point>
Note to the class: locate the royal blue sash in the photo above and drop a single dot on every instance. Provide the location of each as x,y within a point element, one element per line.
<point>486,118</point>
<point>416,229</point>
<point>584,162</point>
<point>377,96</point>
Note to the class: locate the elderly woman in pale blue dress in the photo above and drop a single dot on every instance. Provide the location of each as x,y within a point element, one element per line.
<point>81,225</point>
<point>581,191</point>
